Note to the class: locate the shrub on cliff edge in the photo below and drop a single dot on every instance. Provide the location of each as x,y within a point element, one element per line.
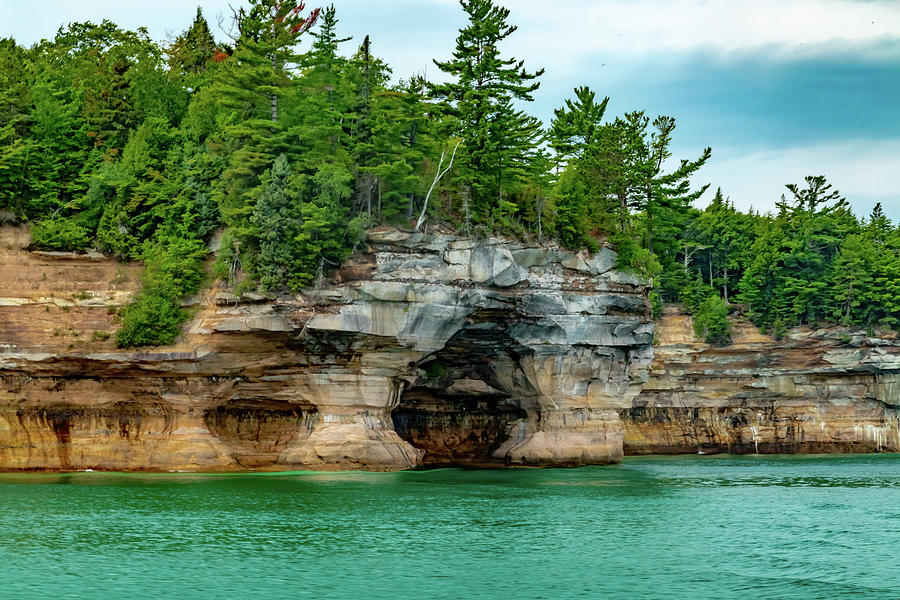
<point>711,321</point>
<point>60,234</point>
<point>174,269</point>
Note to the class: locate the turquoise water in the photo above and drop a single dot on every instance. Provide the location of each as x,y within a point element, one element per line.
<point>683,527</point>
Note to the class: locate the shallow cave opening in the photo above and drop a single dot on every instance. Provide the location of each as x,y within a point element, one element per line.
<point>257,430</point>
<point>464,402</point>
<point>455,430</point>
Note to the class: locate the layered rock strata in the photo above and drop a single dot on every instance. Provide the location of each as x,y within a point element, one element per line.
<point>424,350</point>
<point>834,390</point>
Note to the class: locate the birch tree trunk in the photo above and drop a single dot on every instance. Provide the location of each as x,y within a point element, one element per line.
<point>437,178</point>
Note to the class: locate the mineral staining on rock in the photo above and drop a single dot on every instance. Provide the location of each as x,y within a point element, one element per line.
<point>425,350</point>
<point>829,390</point>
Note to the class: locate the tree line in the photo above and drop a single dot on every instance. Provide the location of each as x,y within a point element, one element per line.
<point>288,141</point>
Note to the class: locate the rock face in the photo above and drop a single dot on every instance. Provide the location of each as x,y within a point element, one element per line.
<point>425,350</point>
<point>833,390</point>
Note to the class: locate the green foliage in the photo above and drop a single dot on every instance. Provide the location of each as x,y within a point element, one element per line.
<point>435,370</point>
<point>277,223</point>
<point>174,264</point>
<point>692,294</point>
<point>60,234</point>
<point>151,319</point>
<point>193,52</point>
<point>174,267</point>
<point>711,320</point>
<point>499,140</point>
<point>250,87</point>
<point>635,258</point>
<point>294,148</point>
<point>656,304</point>
<point>717,242</point>
<point>321,243</point>
<point>793,260</point>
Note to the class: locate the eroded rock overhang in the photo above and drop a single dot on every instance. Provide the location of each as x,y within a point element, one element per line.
<point>424,350</point>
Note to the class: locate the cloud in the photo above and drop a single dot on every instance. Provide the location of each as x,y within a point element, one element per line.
<point>779,88</point>
<point>862,169</point>
<point>648,26</point>
<point>161,17</point>
<point>753,98</point>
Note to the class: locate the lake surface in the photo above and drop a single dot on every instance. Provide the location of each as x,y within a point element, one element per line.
<point>681,527</point>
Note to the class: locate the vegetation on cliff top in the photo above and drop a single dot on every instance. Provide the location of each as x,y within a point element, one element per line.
<point>294,147</point>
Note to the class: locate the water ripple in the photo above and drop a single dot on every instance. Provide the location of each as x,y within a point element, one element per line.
<point>689,527</point>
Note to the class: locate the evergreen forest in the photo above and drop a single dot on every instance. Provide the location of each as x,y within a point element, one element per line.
<point>287,141</point>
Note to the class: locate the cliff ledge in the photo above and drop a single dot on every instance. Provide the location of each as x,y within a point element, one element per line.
<point>424,350</point>
<point>828,390</point>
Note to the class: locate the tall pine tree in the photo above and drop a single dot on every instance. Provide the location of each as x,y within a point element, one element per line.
<point>497,137</point>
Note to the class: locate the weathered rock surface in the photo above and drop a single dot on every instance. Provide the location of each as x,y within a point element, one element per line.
<point>425,350</point>
<point>834,390</point>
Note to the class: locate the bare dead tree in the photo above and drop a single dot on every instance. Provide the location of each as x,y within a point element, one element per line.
<point>437,178</point>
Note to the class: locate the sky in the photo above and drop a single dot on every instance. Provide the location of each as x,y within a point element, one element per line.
<point>779,89</point>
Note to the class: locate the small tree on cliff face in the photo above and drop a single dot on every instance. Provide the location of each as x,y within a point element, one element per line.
<point>711,321</point>
<point>276,224</point>
<point>498,138</point>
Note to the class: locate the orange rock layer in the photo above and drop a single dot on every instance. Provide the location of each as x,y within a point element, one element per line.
<point>426,350</point>
<point>834,390</point>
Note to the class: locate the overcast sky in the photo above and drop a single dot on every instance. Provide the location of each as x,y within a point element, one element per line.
<point>779,89</point>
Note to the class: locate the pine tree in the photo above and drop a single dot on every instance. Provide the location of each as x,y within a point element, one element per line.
<point>577,135</point>
<point>793,260</point>
<point>19,155</point>
<point>141,190</point>
<point>250,85</point>
<point>368,75</point>
<point>276,222</point>
<point>321,107</point>
<point>665,196</point>
<point>720,237</point>
<point>192,52</point>
<point>497,138</point>
<point>99,60</point>
<point>402,137</point>
<point>576,127</point>
<point>323,237</point>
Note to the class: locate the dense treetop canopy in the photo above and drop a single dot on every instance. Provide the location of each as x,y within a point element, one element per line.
<point>290,140</point>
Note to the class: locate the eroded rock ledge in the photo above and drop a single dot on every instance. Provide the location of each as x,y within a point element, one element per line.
<point>425,350</point>
<point>832,390</point>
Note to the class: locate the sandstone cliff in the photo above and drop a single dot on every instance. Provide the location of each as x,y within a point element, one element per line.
<point>425,350</point>
<point>833,390</point>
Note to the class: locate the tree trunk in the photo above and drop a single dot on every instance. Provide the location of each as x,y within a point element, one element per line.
<point>540,209</point>
<point>725,285</point>
<point>437,177</point>
<point>274,96</point>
